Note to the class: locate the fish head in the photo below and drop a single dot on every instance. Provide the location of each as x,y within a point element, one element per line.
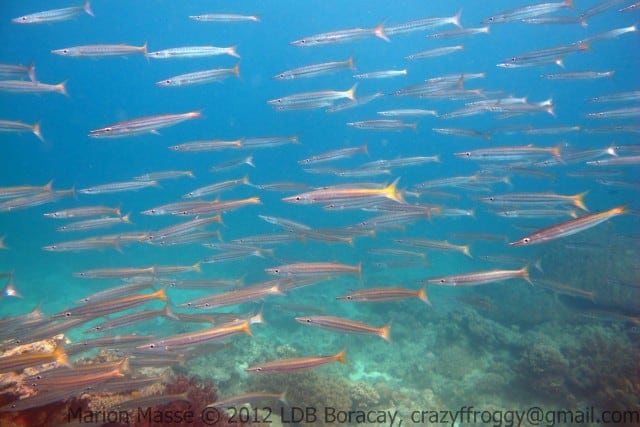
<point>522,242</point>
<point>300,43</point>
<point>62,52</point>
<point>22,20</point>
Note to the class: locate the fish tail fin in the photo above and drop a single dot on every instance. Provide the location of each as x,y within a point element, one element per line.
<point>414,126</point>
<point>455,19</point>
<point>359,268</point>
<point>524,273</point>
<point>422,294</point>
<point>556,152</point>
<point>31,71</point>
<point>392,192</point>
<point>160,294</point>
<point>550,109</point>
<point>350,63</point>
<point>246,328</point>
<point>87,8</point>
<point>249,161</point>
<point>283,398</point>
<point>364,149</point>
<point>578,200</point>
<point>351,93</point>
<point>168,312</point>
<point>258,317</point>
<point>378,31</point>
<point>61,356</point>
<point>196,267</point>
<point>385,332</point>
<point>568,4</point>
<point>231,50</point>
<point>2,245</point>
<point>10,290</point>
<point>466,250</point>
<point>236,70</point>
<point>116,245</point>
<point>620,210</point>
<point>342,356</point>
<point>36,131</point>
<point>538,265</point>
<point>124,367</point>
<point>218,219</point>
<point>62,88</point>
<point>143,49</point>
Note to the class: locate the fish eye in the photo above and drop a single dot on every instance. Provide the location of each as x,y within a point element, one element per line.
<point>24,18</point>
<point>298,198</point>
<point>526,240</point>
<point>68,314</point>
<point>152,346</point>
<point>443,281</point>
<point>107,129</point>
<point>307,320</point>
<point>168,81</point>
<point>468,154</point>
<point>493,199</point>
<point>65,50</point>
<point>349,297</point>
<point>258,369</point>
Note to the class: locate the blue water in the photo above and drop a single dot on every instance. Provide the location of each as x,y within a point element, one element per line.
<point>104,91</point>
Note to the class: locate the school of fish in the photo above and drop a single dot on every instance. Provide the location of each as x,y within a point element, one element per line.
<point>360,193</point>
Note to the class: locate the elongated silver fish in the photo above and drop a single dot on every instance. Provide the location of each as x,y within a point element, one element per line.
<point>149,124</point>
<point>54,15</point>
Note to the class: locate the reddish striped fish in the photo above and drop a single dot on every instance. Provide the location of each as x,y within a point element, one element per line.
<point>346,325</point>
<point>298,364</point>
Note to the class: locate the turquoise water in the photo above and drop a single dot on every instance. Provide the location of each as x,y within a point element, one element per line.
<point>501,346</point>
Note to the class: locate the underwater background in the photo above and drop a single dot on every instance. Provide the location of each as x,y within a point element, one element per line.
<point>567,341</point>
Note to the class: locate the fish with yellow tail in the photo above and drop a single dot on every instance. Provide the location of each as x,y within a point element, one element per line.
<point>331,194</point>
<point>297,364</point>
<point>385,295</point>
<point>567,228</point>
<point>481,277</point>
<point>346,325</point>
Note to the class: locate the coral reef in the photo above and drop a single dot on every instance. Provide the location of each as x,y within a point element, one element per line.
<point>604,366</point>
<point>364,396</point>
<point>546,370</point>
